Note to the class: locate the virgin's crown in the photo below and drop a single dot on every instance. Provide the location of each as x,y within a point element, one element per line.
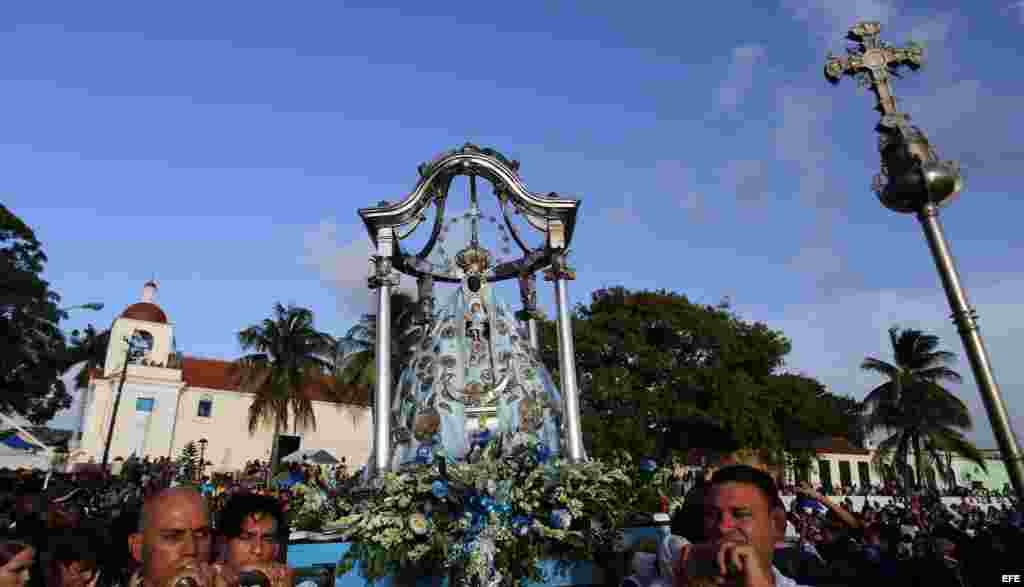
<point>473,258</point>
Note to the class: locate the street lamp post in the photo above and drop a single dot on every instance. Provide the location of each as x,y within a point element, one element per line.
<point>133,345</point>
<point>202,457</point>
<point>915,181</point>
<point>95,306</point>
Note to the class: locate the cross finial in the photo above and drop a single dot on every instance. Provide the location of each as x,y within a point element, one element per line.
<point>872,61</point>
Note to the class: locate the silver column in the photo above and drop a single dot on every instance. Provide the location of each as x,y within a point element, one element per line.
<point>965,318</point>
<point>382,280</point>
<point>531,325</point>
<point>560,274</point>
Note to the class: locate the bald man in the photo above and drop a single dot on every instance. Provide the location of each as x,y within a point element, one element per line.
<point>174,540</point>
<point>173,536</point>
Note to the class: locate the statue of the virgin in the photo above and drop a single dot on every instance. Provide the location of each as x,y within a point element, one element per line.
<point>473,377</point>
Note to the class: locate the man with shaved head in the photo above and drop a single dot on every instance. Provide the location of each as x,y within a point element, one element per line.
<point>173,539</point>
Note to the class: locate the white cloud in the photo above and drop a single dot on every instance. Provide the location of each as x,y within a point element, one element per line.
<point>935,29</point>
<point>829,20</point>
<point>739,78</point>
<point>1019,8</point>
<point>745,178</point>
<point>799,138</point>
<point>625,214</point>
<point>344,268</point>
<point>679,182</point>
<point>832,337</point>
<point>691,202</point>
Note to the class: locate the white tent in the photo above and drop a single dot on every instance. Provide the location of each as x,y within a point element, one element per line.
<point>313,456</point>
<point>12,458</point>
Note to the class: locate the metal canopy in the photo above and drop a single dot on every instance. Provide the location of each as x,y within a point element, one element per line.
<point>551,215</point>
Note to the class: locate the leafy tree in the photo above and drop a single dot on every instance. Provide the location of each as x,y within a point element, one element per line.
<point>658,373</point>
<point>922,416</point>
<point>88,347</point>
<point>32,346</point>
<point>672,368</point>
<point>188,463</point>
<point>285,362</point>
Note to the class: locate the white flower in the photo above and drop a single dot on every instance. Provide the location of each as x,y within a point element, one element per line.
<point>419,524</point>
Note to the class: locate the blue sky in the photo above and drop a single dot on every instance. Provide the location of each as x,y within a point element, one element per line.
<point>223,148</point>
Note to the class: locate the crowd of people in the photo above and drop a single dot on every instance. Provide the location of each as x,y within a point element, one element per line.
<point>137,521</point>
<point>131,527</point>
<point>915,539</point>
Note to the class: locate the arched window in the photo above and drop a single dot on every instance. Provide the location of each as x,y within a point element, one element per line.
<point>141,345</point>
<point>205,408</point>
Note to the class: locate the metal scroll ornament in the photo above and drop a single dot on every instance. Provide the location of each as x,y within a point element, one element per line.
<point>912,176</point>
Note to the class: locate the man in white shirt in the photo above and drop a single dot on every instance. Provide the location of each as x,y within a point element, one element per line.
<point>744,518</point>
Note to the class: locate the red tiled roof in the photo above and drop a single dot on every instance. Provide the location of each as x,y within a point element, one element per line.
<point>146,312</point>
<point>225,375</point>
<point>837,445</point>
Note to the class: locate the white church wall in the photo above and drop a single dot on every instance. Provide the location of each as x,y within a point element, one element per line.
<point>342,430</point>
<point>143,427</point>
<point>229,444</point>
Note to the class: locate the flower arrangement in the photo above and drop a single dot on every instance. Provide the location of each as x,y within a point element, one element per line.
<point>311,508</point>
<point>490,522</point>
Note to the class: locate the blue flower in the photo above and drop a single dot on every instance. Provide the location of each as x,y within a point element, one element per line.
<point>482,437</point>
<point>439,489</point>
<point>521,525</point>
<point>542,452</point>
<point>423,454</point>
<point>561,519</point>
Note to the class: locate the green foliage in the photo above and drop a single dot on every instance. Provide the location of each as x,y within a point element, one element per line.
<point>658,374</point>
<point>88,347</point>
<point>32,347</point>
<point>406,527</point>
<point>188,463</point>
<point>924,418</point>
<point>353,355</point>
<point>309,509</point>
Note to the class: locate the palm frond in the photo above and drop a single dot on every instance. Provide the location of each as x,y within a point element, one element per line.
<point>939,373</point>
<point>886,393</point>
<point>288,355</point>
<point>881,367</point>
<point>950,440</point>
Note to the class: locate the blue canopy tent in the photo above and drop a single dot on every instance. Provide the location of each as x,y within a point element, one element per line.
<point>17,442</point>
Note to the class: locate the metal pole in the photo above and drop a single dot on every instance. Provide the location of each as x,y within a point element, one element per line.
<point>966,320</point>
<point>567,365</point>
<point>534,331</point>
<point>382,396</point>
<point>117,404</point>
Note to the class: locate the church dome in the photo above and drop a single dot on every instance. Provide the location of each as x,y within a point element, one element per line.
<point>145,311</point>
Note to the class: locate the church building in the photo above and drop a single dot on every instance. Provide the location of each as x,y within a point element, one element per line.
<point>169,399</point>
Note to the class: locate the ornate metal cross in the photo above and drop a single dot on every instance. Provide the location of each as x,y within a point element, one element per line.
<point>872,61</point>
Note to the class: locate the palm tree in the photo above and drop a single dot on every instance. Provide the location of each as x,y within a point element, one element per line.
<point>286,359</point>
<point>88,347</point>
<point>923,416</point>
<point>354,355</point>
